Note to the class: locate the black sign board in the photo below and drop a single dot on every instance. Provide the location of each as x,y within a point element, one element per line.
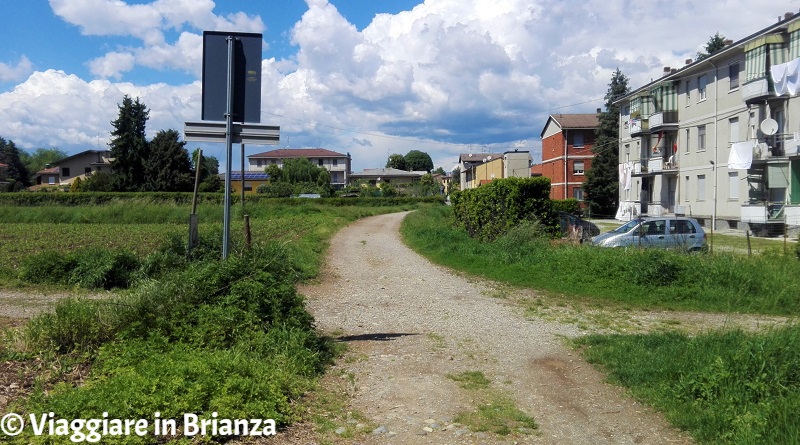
<point>246,76</point>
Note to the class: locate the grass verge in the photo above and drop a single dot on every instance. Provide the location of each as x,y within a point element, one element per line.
<point>723,387</point>
<point>495,412</point>
<point>632,278</point>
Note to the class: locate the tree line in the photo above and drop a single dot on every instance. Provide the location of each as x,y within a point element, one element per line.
<point>162,164</point>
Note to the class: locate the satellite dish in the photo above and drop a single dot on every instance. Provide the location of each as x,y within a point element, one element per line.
<point>769,126</point>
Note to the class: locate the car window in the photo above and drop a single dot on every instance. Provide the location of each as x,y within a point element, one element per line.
<point>626,227</point>
<point>682,227</point>
<point>656,227</point>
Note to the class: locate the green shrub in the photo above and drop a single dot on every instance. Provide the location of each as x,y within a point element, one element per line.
<point>75,324</point>
<point>490,210</point>
<point>97,268</point>
<point>47,267</point>
<point>571,205</point>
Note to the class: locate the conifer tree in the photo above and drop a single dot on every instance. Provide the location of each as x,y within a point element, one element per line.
<point>14,175</point>
<point>602,180</point>
<point>167,167</point>
<point>129,146</point>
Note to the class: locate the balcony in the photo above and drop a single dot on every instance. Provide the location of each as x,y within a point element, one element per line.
<point>755,89</point>
<point>665,120</point>
<point>639,126</point>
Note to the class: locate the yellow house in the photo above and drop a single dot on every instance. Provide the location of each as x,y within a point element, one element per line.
<point>251,181</point>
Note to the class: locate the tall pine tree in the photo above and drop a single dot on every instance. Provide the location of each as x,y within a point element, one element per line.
<point>167,167</point>
<point>129,146</point>
<point>14,176</point>
<point>602,180</point>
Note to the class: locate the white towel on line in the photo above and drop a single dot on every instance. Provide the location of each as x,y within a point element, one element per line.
<point>778,73</point>
<point>741,156</point>
<point>793,76</point>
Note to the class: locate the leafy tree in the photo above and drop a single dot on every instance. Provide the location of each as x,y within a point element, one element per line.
<point>40,158</point>
<point>275,173</point>
<point>76,185</point>
<point>715,43</point>
<point>418,161</point>
<point>602,180</point>
<point>97,182</point>
<point>15,174</point>
<point>440,171</point>
<point>209,173</point>
<point>455,182</point>
<point>129,146</point>
<point>301,175</point>
<point>396,161</point>
<point>167,168</point>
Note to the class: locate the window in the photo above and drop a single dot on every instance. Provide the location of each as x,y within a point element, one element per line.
<point>65,172</point>
<point>334,177</point>
<point>755,63</point>
<point>577,167</point>
<point>258,163</point>
<point>274,161</point>
<point>681,227</point>
<point>577,140</point>
<point>335,162</point>
<point>51,180</point>
<point>701,138</point>
<point>577,193</point>
<point>687,141</point>
<point>701,88</point>
<point>701,187</point>
<point>688,92</point>
<point>733,185</point>
<point>319,162</point>
<point>248,186</point>
<point>733,76</point>
<point>87,170</point>
<point>686,188</point>
<point>733,125</point>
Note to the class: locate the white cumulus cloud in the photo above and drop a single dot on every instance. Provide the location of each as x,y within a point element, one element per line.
<point>13,72</point>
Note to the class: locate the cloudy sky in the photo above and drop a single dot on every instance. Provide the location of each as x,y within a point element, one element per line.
<point>368,77</point>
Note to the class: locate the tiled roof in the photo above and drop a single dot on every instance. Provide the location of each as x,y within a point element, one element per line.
<point>387,172</point>
<point>283,153</point>
<point>576,120</point>
<point>47,171</point>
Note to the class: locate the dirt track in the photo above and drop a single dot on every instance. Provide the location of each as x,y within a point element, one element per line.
<point>410,324</point>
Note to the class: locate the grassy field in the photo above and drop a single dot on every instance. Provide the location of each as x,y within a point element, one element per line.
<point>194,335</point>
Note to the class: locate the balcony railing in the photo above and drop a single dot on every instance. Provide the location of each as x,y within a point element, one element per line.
<point>663,119</point>
<point>755,89</point>
<point>639,126</point>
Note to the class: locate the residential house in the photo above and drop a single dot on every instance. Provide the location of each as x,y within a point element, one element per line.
<point>482,168</point>
<point>392,176</point>
<point>567,141</point>
<point>337,164</point>
<point>718,138</point>
<point>252,179</point>
<point>83,164</point>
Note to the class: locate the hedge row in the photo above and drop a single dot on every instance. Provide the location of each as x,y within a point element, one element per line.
<point>101,198</point>
<point>490,210</point>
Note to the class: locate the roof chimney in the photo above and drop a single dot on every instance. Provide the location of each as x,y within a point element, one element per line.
<point>688,61</point>
<point>788,15</point>
<point>666,70</point>
<point>728,42</point>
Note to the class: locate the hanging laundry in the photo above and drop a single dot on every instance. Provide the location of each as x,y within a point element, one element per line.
<point>793,76</point>
<point>628,176</point>
<point>778,73</point>
<point>741,156</point>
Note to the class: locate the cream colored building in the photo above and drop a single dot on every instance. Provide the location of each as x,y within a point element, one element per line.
<point>480,169</point>
<point>717,139</point>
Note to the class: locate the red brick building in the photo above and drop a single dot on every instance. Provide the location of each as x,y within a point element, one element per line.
<point>567,141</point>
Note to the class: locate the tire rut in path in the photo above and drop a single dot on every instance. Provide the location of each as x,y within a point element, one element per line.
<point>409,324</point>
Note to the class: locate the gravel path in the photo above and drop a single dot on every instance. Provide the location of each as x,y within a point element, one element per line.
<point>410,324</point>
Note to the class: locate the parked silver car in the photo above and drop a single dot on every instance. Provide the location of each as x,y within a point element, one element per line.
<point>660,232</point>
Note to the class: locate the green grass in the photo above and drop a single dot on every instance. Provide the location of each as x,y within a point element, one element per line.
<point>723,387</point>
<point>495,412</point>
<point>633,278</point>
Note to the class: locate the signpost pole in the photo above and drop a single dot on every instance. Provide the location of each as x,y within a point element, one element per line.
<point>226,225</point>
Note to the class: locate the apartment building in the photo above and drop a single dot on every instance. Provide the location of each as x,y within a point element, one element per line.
<point>337,164</point>
<point>717,139</point>
<point>567,141</point>
<point>480,168</point>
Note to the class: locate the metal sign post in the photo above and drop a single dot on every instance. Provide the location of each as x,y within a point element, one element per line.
<point>240,106</point>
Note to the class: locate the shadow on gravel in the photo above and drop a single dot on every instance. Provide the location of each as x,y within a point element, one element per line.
<point>372,337</point>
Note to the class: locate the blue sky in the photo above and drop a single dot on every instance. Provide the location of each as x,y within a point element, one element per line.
<point>365,77</point>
